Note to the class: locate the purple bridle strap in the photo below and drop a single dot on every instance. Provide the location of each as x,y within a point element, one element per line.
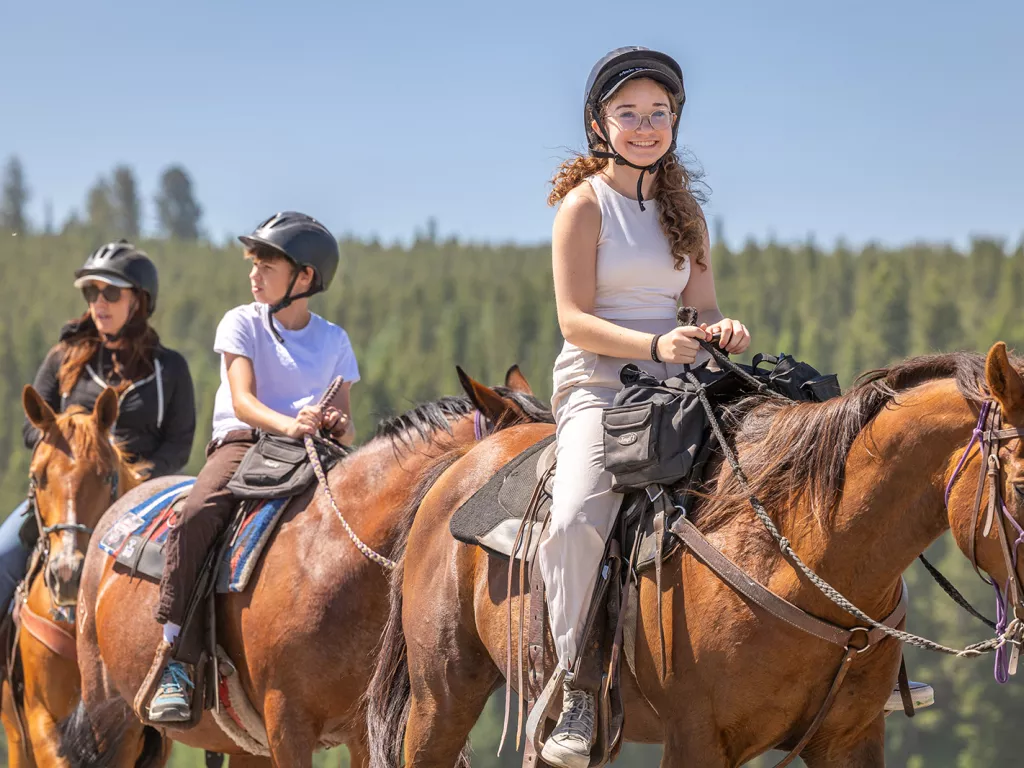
<point>1002,661</point>
<point>975,437</point>
<point>478,425</point>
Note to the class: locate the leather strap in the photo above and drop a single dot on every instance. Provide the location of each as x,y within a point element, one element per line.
<point>49,633</point>
<point>535,656</point>
<point>782,609</point>
<point>904,686</point>
<point>973,549</point>
<point>837,682</point>
<point>659,549</point>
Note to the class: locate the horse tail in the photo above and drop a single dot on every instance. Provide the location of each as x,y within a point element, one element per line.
<point>152,749</point>
<point>389,696</point>
<point>93,738</point>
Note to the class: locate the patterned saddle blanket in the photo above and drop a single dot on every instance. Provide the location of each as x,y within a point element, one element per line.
<point>136,539</point>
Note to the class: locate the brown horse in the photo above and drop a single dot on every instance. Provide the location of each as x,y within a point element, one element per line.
<point>75,474</point>
<point>856,484</point>
<point>303,634</point>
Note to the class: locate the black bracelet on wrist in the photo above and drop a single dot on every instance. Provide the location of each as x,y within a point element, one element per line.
<point>654,348</point>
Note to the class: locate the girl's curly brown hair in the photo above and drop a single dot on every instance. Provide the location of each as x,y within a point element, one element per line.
<point>677,189</point>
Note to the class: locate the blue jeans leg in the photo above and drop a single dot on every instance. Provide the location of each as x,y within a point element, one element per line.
<point>13,555</point>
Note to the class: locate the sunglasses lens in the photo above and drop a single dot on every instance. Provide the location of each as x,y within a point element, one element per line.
<point>110,292</point>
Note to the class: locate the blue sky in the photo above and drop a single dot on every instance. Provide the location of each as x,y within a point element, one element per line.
<point>893,121</point>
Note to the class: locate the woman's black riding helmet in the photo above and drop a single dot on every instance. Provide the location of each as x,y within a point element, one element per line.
<point>611,73</point>
<point>123,265</point>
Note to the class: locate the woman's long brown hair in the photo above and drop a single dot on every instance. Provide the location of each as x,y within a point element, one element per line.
<point>132,353</point>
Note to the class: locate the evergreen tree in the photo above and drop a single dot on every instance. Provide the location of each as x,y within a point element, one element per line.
<point>177,211</point>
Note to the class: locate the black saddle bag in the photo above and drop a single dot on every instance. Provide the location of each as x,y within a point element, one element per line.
<point>655,430</point>
<point>796,380</point>
<point>277,467</point>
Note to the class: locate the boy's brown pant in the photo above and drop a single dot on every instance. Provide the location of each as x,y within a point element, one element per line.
<point>206,514</point>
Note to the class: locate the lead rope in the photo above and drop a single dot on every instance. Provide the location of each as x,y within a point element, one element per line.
<point>321,477</point>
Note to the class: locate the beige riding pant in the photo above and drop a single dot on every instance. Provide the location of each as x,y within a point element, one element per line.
<point>584,508</point>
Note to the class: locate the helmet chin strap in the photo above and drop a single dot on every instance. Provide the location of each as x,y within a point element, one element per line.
<point>620,160</point>
<point>287,302</point>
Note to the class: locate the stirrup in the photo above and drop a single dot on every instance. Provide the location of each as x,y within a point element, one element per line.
<point>152,681</point>
<point>921,694</point>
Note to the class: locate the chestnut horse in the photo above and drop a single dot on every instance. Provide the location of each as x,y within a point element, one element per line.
<point>302,635</point>
<point>75,474</point>
<point>856,484</point>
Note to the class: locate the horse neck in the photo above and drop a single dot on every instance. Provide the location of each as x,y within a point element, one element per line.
<point>892,503</point>
<point>126,478</point>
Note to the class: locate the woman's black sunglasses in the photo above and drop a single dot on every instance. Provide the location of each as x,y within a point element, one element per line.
<point>111,293</point>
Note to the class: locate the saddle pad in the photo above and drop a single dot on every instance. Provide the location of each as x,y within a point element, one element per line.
<point>136,539</point>
<point>491,517</point>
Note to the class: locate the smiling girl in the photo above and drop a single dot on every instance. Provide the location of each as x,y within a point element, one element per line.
<point>629,245</point>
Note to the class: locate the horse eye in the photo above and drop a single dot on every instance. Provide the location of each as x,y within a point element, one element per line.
<point>38,481</point>
<point>1018,488</point>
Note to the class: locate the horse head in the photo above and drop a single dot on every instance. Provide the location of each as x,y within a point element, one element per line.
<point>76,472</point>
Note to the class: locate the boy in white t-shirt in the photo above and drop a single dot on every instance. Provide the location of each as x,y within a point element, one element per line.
<point>277,359</point>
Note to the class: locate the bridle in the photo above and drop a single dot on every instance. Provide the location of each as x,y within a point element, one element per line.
<point>988,434</point>
<point>68,528</point>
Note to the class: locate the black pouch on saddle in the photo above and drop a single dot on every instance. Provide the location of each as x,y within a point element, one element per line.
<point>277,467</point>
<point>797,380</point>
<point>653,431</point>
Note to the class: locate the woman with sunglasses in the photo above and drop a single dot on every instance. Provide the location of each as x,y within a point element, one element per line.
<point>630,245</point>
<point>111,345</point>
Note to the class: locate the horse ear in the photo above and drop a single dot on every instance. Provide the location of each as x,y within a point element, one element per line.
<point>39,412</point>
<point>492,405</point>
<point>105,410</point>
<point>515,381</point>
<point>1005,383</point>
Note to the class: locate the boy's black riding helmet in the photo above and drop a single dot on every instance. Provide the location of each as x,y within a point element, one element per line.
<point>304,241</point>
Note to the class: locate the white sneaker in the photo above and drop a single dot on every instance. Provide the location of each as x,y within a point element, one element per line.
<point>920,693</point>
<point>570,743</point>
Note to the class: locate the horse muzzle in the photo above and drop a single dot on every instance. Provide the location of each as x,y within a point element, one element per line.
<point>63,575</point>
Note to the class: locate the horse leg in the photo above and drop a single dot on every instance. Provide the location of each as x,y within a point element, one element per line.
<point>17,753</point>
<point>44,735</point>
<point>694,746</point>
<point>866,751</point>
<point>249,761</point>
<point>447,698</point>
<point>292,736</point>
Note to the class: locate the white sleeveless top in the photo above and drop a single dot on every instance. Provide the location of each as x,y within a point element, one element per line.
<point>636,274</point>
